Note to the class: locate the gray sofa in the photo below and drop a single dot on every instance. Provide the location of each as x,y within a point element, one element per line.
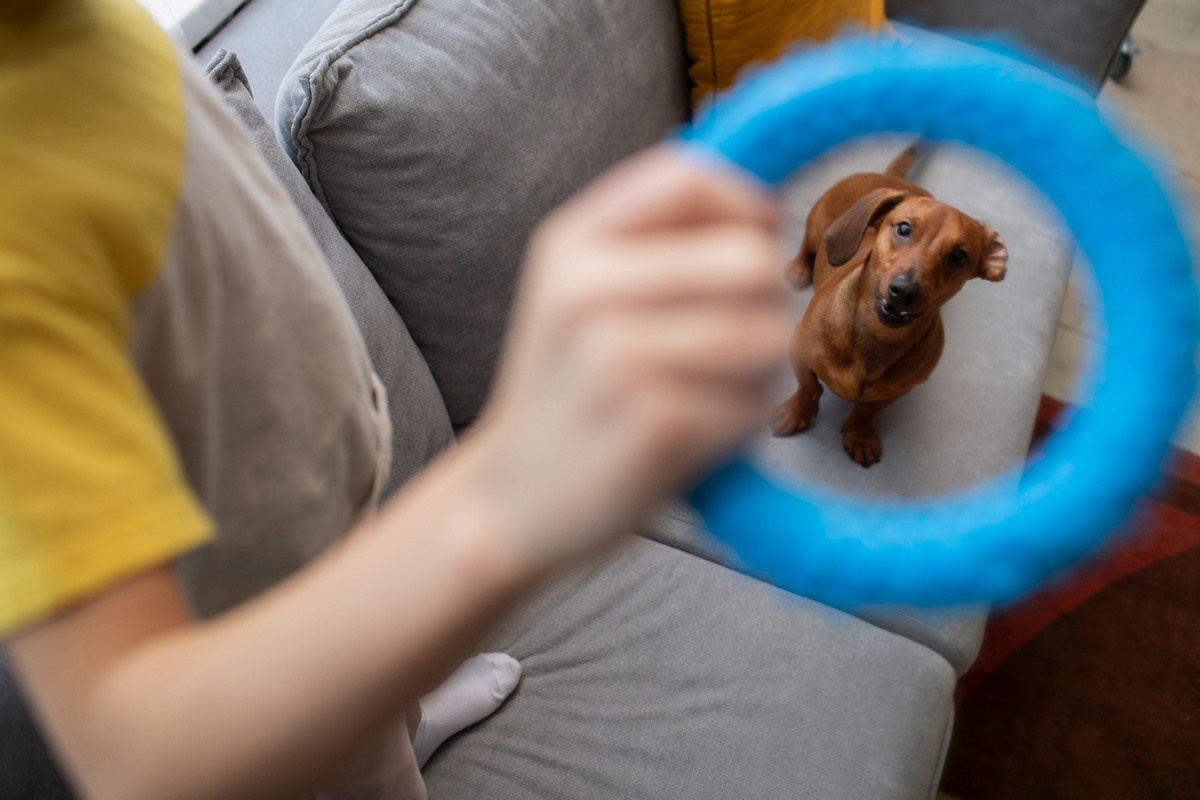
<point>661,671</point>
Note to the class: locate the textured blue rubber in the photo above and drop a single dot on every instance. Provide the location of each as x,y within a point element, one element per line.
<point>984,544</point>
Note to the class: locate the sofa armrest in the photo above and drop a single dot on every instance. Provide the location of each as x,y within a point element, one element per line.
<point>267,35</point>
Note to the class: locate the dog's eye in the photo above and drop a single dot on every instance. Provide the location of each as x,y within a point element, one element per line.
<point>903,230</point>
<point>958,257</point>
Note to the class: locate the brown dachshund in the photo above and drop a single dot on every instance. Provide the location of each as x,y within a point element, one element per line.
<point>884,256</point>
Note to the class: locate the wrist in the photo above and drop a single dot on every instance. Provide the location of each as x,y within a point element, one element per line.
<point>479,509</point>
<point>522,520</point>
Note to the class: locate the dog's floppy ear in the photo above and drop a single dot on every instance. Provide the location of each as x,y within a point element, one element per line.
<point>994,263</point>
<point>843,237</point>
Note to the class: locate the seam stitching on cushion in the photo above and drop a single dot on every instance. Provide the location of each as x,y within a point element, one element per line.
<point>312,102</point>
<point>699,552</point>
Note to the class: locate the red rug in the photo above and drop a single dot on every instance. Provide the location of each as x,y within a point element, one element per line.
<point>1091,689</point>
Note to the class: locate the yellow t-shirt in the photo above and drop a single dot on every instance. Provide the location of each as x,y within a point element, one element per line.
<point>91,137</point>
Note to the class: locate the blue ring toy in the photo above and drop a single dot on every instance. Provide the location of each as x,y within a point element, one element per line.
<point>984,544</point>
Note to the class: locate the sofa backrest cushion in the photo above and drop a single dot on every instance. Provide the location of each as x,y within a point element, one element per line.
<point>420,424</point>
<point>438,132</point>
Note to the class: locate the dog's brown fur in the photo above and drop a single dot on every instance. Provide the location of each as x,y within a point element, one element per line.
<point>868,334</point>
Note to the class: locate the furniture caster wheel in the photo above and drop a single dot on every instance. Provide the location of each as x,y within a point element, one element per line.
<point>1124,60</point>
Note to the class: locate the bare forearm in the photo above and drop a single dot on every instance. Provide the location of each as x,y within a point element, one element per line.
<point>644,344</point>
<point>338,651</point>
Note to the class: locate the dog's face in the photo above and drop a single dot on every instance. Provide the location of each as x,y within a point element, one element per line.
<point>922,254</point>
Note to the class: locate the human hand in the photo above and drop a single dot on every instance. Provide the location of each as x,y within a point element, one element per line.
<point>651,321</point>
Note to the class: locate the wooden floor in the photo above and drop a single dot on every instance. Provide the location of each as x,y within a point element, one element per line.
<point>1160,97</point>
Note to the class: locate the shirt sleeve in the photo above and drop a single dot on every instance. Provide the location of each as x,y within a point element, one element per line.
<point>91,491</point>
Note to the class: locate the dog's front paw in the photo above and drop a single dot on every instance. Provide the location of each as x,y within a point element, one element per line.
<point>793,416</point>
<point>862,445</point>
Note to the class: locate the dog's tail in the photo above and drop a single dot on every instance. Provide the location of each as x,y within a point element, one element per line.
<point>902,163</point>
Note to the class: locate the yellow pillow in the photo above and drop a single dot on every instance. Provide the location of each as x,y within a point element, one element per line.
<point>723,36</point>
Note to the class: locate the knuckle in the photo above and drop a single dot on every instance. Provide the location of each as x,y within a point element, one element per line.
<point>579,297</point>
<point>756,258</point>
<point>761,248</point>
<point>740,245</point>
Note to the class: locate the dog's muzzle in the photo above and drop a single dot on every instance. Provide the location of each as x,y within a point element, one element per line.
<point>891,316</point>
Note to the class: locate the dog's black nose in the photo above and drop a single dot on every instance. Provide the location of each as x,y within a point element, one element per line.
<point>904,291</point>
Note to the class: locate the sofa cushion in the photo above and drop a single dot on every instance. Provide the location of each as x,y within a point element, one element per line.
<point>438,132</point>
<point>420,425</point>
<point>661,675</point>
